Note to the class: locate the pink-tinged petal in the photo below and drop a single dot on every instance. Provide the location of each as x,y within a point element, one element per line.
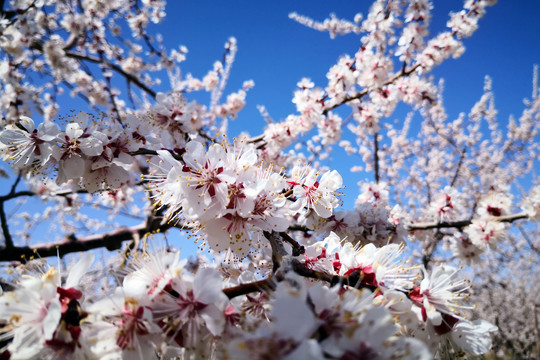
<point>167,157</point>
<point>432,314</point>
<point>82,119</point>
<point>124,158</point>
<point>116,176</point>
<point>26,157</point>
<point>12,137</point>
<point>52,320</point>
<point>216,156</point>
<point>322,209</point>
<point>91,146</point>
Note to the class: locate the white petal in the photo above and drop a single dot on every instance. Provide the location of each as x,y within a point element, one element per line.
<point>73,131</point>
<point>473,337</point>
<point>195,155</point>
<point>79,269</point>
<point>73,167</point>
<point>293,318</point>
<point>27,123</point>
<point>207,286</point>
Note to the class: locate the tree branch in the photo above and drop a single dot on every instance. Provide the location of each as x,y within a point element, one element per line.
<point>458,168</point>
<point>5,229</point>
<point>268,284</point>
<point>3,219</point>
<point>111,241</point>
<point>364,92</point>
<point>461,223</point>
<point>376,157</point>
<point>116,68</point>
<point>529,241</point>
<point>243,289</point>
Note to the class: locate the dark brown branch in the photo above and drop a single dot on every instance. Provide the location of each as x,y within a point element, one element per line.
<point>112,241</point>
<point>5,229</point>
<point>8,241</point>
<point>298,249</point>
<point>243,289</point>
<point>376,157</point>
<point>143,151</point>
<point>430,248</point>
<point>301,269</point>
<point>116,68</point>
<point>108,88</point>
<point>278,250</point>
<point>461,223</point>
<point>460,163</point>
<point>364,92</point>
<point>298,267</point>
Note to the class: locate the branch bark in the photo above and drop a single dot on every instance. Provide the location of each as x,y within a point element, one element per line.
<point>376,157</point>
<point>461,223</point>
<point>116,68</point>
<point>111,241</point>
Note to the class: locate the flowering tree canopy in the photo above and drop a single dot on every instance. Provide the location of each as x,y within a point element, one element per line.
<point>425,265</point>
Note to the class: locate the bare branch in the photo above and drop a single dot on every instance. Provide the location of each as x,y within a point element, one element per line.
<point>111,241</point>
<point>116,68</point>
<point>376,157</point>
<point>268,284</point>
<point>361,94</point>
<point>460,163</point>
<point>5,229</point>
<point>243,289</point>
<point>278,250</point>
<point>461,223</point>
<point>298,249</point>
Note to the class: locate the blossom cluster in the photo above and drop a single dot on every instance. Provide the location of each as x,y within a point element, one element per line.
<point>228,194</point>
<point>367,81</point>
<point>86,153</point>
<point>169,308</point>
<point>46,38</point>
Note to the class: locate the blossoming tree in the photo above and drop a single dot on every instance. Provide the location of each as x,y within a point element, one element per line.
<point>288,273</point>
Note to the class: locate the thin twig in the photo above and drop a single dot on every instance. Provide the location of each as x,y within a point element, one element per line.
<point>376,156</point>
<point>116,68</point>
<point>529,241</point>
<point>364,92</point>
<point>460,163</point>
<point>298,249</point>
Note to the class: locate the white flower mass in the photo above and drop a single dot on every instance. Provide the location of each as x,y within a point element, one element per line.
<point>282,271</point>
